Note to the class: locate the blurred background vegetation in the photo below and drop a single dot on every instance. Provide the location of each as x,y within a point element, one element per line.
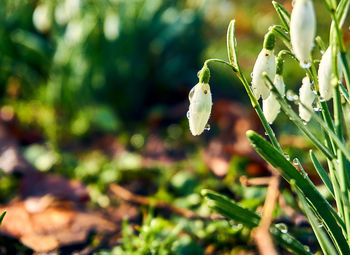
<point>73,72</point>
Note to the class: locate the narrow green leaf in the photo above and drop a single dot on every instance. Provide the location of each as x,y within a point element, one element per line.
<point>234,211</point>
<point>231,44</point>
<point>326,245</point>
<point>283,14</point>
<point>321,172</point>
<point>230,209</point>
<point>316,200</point>
<point>345,93</point>
<point>2,217</point>
<point>346,68</point>
<point>342,11</point>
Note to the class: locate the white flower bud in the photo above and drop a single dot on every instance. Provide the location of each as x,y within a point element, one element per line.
<point>302,30</point>
<point>271,106</point>
<point>325,74</point>
<point>306,97</point>
<point>264,63</point>
<point>200,108</point>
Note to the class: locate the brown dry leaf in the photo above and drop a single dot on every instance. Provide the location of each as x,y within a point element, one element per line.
<point>39,184</point>
<point>54,225</point>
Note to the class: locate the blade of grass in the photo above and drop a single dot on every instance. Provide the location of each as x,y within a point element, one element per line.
<point>326,245</point>
<point>2,217</point>
<point>342,10</point>
<point>321,172</point>
<point>234,211</point>
<point>232,53</point>
<point>283,14</point>
<point>315,199</point>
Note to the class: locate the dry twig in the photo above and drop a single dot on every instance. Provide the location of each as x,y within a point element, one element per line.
<point>261,234</point>
<point>126,195</point>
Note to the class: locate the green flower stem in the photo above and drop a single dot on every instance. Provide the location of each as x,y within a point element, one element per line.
<point>283,14</point>
<point>232,55</point>
<point>282,33</point>
<point>220,61</point>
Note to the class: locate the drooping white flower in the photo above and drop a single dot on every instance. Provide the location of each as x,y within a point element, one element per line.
<point>264,63</point>
<point>200,108</point>
<point>325,74</point>
<point>302,30</point>
<point>306,97</point>
<point>271,106</point>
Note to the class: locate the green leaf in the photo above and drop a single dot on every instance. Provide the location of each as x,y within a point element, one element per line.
<point>342,10</point>
<point>230,209</point>
<point>326,245</point>
<point>231,44</point>
<point>283,14</point>
<point>2,217</point>
<point>234,211</point>
<point>315,199</point>
<point>321,172</point>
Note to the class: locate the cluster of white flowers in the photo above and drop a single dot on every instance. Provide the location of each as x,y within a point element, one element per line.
<point>302,35</point>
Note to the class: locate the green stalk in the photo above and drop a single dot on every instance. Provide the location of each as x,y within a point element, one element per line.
<point>232,54</point>
<point>326,245</point>
<point>234,211</point>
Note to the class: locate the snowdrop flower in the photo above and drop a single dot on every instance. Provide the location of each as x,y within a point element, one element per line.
<point>264,63</point>
<point>306,97</point>
<point>200,108</point>
<point>302,30</point>
<point>200,103</point>
<point>271,106</point>
<point>325,74</point>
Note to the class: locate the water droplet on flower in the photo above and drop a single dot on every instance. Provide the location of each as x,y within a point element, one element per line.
<point>207,127</point>
<point>314,91</point>
<point>322,99</point>
<point>295,162</point>
<point>266,133</point>
<point>198,73</point>
<point>307,248</point>
<point>295,98</point>
<point>188,114</point>
<point>322,52</point>
<point>251,74</point>
<point>305,123</point>
<point>190,95</point>
<point>270,123</point>
<point>290,95</point>
<point>317,109</point>
<point>305,65</point>
<point>286,156</point>
<point>282,227</point>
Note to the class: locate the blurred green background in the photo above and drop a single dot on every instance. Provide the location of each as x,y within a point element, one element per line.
<point>76,71</point>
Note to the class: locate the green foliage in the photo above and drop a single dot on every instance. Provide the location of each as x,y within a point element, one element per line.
<point>76,67</point>
<point>156,236</point>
